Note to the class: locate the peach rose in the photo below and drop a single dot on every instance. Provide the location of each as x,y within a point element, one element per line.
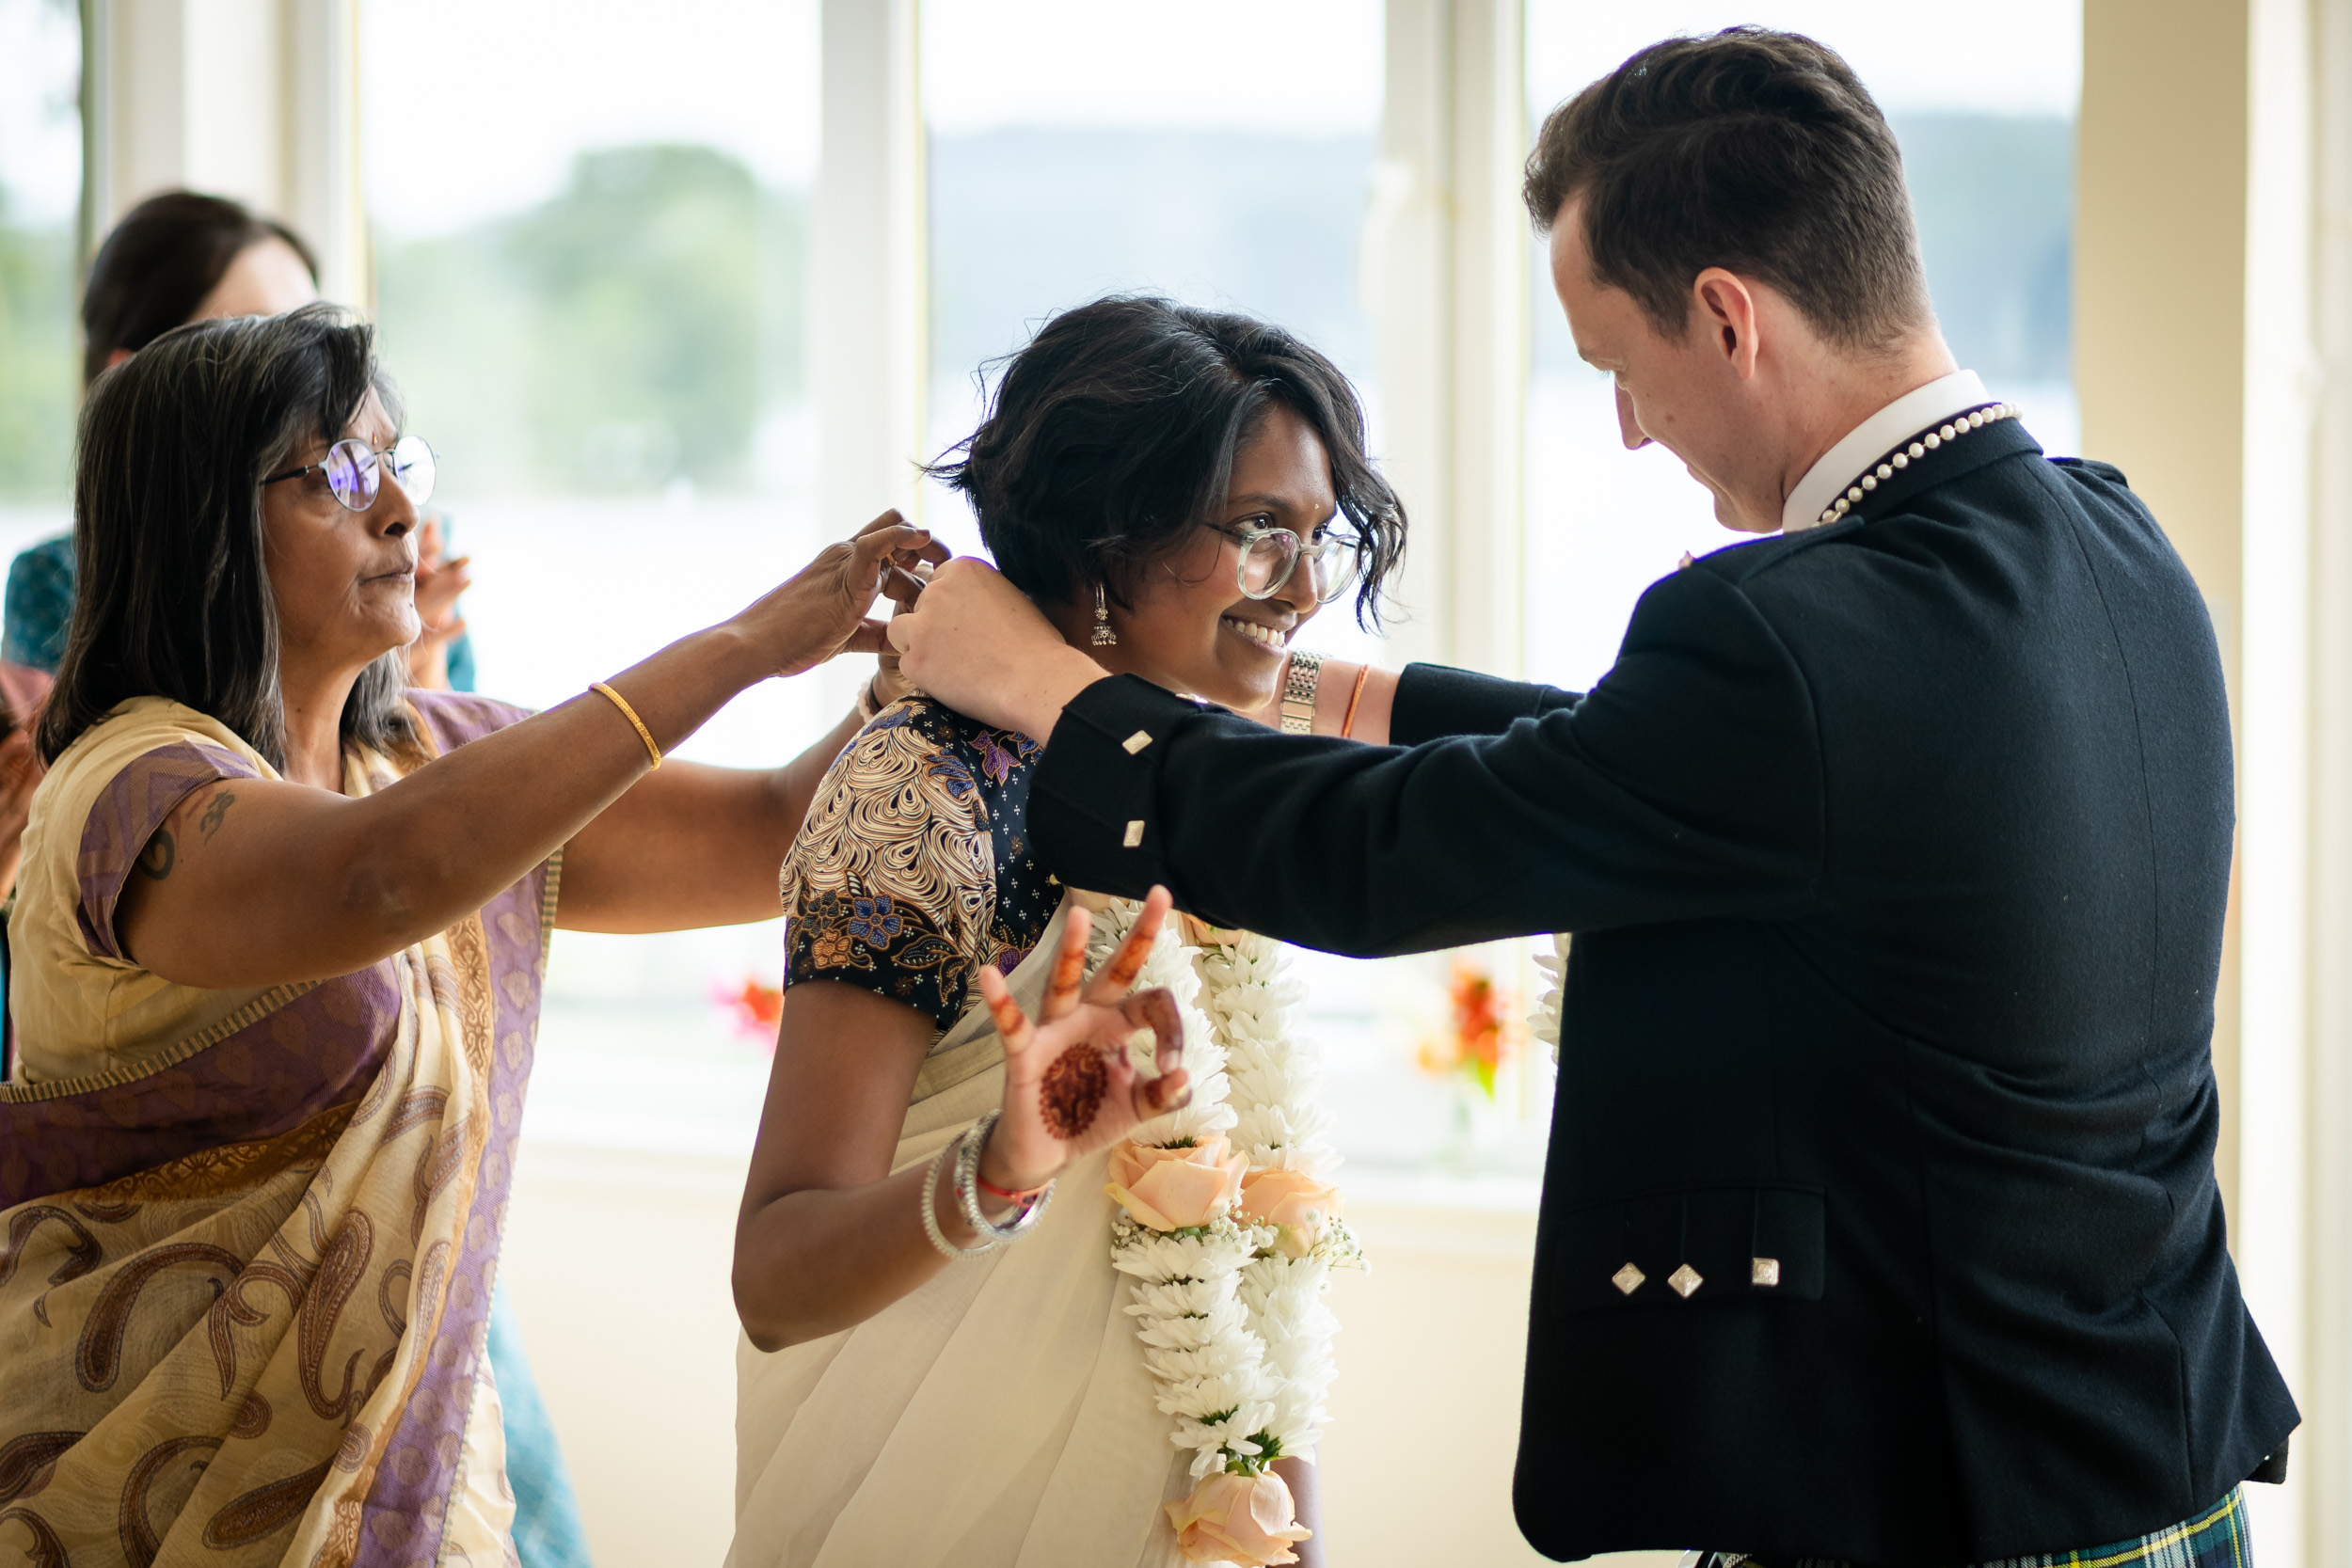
<point>1170,1189</point>
<point>1245,1519</point>
<point>1295,1201</point>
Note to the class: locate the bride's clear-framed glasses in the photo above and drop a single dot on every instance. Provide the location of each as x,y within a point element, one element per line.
<point>1270,556</point>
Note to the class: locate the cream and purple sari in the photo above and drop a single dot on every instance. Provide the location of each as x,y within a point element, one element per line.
<point>248,1238</point>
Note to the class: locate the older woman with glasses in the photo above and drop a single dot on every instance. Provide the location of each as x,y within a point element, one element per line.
<point>280,935</point>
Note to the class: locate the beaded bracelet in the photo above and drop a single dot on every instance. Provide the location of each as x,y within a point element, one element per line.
<point>967,1187</point>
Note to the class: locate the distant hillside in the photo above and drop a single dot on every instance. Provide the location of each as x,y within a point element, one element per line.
<point>631,328</point>
<point>1027,222</point>
<point>1995,197</point>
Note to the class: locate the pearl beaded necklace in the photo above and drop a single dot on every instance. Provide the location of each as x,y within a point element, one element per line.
<point>1901,456</point>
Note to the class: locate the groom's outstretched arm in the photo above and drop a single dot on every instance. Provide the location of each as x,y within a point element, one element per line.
<point>1433,701</point>
<point>1687,784</point>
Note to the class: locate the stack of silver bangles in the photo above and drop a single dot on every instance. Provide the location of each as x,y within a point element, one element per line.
<point>967,1148</point>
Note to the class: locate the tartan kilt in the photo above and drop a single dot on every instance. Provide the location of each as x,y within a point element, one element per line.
<point>2216,1538</point>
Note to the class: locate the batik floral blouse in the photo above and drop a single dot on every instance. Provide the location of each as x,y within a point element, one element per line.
<point>914,868</point>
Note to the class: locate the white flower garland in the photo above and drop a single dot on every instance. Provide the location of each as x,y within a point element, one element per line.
<point>1231,1312</point>
<point>1545,1022</point>
<point>1252,1006</point>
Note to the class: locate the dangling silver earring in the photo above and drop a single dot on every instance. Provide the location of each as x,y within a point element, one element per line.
<point>1104,636</point>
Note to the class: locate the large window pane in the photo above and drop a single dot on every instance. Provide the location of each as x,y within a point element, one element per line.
<point>41,192</point>
<point>1985,116</point>
<point>590,224</point>
<point>1055,181</point>
<point>1237,178</point>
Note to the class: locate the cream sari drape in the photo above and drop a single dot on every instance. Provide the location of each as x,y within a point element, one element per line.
<point>1001,1415</point>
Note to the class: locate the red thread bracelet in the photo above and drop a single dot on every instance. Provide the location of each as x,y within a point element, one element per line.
<point>1023,1198</point>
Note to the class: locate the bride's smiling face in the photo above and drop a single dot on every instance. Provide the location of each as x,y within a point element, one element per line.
<point>1187,625</point>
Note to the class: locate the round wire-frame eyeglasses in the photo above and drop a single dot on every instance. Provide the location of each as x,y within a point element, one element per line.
<point>355,470</point>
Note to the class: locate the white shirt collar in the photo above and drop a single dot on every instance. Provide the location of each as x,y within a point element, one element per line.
<point>1914,411</point>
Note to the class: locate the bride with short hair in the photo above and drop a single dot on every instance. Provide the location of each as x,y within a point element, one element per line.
<point>941,1364</point>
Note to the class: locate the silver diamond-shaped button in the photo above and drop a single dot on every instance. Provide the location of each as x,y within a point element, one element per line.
<point>1685,1280</point>
<point>1628,1280</point>
<point>1764,1271</point>
<point>1136,742</point>
<point>1134,834</point>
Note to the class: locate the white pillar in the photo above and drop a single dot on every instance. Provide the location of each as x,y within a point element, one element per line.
<point>869,306</point>
<point>2323,1450</point>
<point>256,99</point>
<point>2274,1070</point>
<point>868,309</point>
<point>318,170</point>
<point>1445,273</point>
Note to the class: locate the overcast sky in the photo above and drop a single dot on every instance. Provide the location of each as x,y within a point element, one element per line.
<point>493,96</point>
<point>41,128</point>
<point>2011,57</point>
<point>474,107</point>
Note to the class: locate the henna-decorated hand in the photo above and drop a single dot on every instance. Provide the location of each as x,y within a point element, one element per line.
<point>1069,1086</point>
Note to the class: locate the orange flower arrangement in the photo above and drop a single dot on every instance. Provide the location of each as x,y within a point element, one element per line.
<point>1483,1033</point>
<point>758,1008</point>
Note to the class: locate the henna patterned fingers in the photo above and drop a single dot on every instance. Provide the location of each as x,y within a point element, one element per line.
<point>1119,974</point>
<point>1012,1022</point>
<point>1070,968</point>
<point>1157,1010</point>
<point>1156,1097</point>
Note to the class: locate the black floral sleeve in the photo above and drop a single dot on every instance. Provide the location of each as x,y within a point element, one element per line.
<point>914,868</point>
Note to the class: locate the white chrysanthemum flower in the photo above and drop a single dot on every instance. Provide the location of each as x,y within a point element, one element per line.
<point>1192,1331</point>
<point>1209,1254</point>
<point>1211,1441</point>
<point>1229,1389</point>
<point>1177,1298</point>
<point>1544,1024</point>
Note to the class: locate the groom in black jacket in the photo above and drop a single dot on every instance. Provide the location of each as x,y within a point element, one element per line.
<point>1880,1223</point>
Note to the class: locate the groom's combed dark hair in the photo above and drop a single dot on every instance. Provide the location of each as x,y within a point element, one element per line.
<point>1749,149</point>
<point>1113,431</point>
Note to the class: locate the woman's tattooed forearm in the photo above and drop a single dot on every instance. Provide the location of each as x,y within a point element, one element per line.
<point>154,862</point>
<point>213,813</point>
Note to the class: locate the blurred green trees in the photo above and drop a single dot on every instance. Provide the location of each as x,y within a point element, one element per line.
<point>625,334</point>
<point>40,361</point>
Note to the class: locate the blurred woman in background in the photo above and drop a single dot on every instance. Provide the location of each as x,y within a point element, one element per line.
<point>177,258</point>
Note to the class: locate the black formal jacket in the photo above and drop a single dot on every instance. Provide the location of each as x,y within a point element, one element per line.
<point>1895,853</point>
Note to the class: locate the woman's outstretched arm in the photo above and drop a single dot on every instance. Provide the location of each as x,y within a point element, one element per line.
<point>692,844</point>
<point>827,1236</point>
<point>322,885</point>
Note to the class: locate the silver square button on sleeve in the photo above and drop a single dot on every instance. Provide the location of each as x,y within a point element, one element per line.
<point>1135,834</point>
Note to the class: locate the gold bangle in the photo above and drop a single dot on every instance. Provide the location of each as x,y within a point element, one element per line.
<point>630,713</point>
